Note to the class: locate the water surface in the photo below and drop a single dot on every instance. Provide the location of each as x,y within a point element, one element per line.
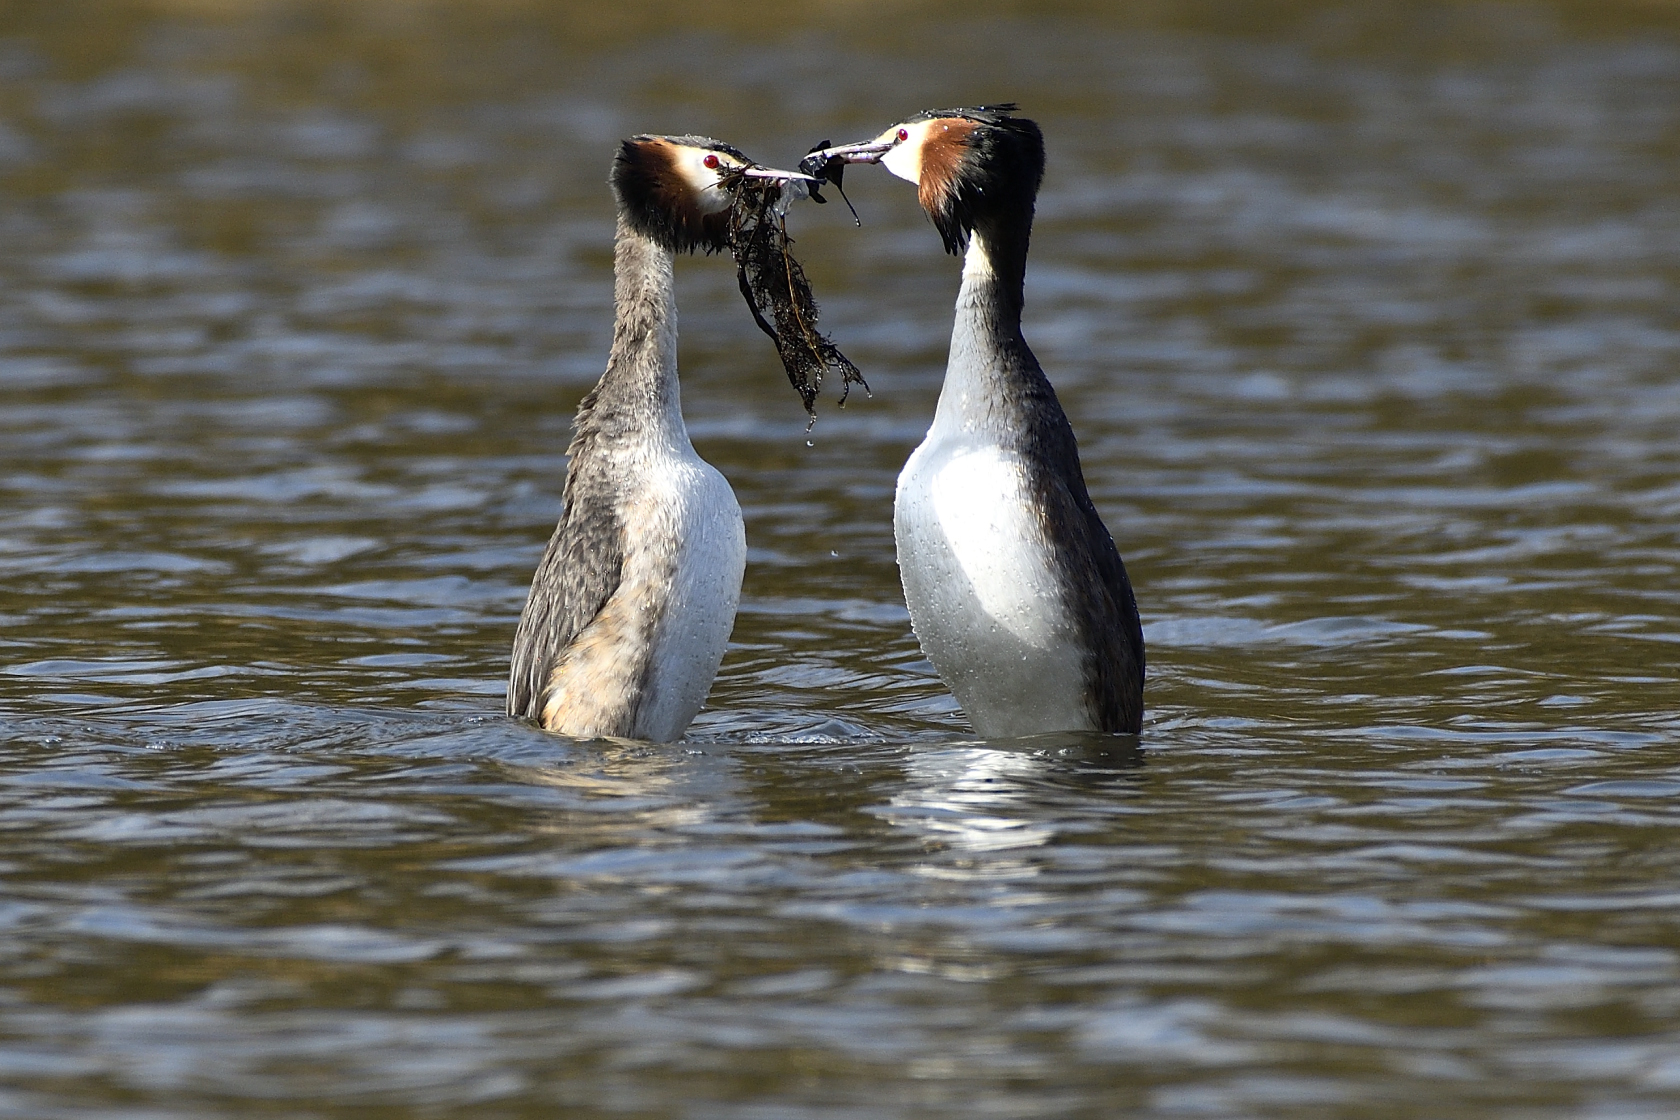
<point>1366,318</point>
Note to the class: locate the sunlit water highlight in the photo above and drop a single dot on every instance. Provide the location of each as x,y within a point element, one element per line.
<point>1368,328</point>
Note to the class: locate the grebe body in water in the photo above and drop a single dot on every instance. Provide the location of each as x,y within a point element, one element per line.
<point>633,602</point>
<point>1015,588</point>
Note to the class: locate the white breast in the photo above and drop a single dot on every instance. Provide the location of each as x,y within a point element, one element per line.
<point>982,589</point>
<point>692,504</point>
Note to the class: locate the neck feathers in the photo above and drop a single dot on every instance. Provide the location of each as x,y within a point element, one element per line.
<point>992,374</point>
<point>639,390</point>
<point>994,275</point>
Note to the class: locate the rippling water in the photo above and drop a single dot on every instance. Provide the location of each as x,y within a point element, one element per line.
<point>1367,319</point>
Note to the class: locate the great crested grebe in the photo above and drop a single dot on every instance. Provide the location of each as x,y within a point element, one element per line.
<point>633,602</point>
<point>1015,588</point>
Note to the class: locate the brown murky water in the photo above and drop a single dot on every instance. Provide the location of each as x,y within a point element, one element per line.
<point>1367,318</point>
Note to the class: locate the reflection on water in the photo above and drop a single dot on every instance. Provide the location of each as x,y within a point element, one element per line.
<point>1365,317</point>
<point>993,798</point>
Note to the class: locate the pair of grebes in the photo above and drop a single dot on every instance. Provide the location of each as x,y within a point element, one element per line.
<point>1015,588</point>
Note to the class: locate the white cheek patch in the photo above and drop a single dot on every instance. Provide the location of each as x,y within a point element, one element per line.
<point>690,163</point>
<point>905,159</point>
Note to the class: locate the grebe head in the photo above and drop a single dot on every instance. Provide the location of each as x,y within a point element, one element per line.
<point>678,190</point>
<point>971,167</point>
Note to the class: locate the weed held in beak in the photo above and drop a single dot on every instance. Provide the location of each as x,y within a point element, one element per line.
<point>775,288</point>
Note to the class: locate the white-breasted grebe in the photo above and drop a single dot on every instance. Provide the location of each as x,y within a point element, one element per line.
<point>633,603</point>
<point>1015,588</point>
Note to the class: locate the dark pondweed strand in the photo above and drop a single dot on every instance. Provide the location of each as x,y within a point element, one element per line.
<point>774,284</point>
<point>830,170</point>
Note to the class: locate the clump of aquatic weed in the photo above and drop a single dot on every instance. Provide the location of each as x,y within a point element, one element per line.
<point>774,284</point>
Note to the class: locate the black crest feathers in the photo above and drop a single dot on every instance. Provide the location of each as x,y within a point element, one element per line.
<point>997,173</point>
<point>658,203</point>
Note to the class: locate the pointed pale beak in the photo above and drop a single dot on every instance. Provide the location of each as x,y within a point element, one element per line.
<point>870,151</point>
<point>772,173</point>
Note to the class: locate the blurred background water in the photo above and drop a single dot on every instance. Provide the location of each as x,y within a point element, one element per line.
<point>1366,316</point>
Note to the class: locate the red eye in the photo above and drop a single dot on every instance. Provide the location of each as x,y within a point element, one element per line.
<point>903,134</point>
<point>710,161</point>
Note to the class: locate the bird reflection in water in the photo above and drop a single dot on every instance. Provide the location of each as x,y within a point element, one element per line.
<point>614,790</point>
<point>996,796</point>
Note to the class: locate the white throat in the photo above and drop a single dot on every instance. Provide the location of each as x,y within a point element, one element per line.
<point>972,370</point>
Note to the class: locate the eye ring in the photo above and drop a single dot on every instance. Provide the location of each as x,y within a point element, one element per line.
<point>711,161</point>
<point>903,135</point>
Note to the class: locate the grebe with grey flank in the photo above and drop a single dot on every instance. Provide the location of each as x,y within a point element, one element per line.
<point>1015,588</point>
<point>634,600</point>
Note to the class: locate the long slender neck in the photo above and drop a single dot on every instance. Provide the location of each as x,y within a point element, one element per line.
<point>990,363</point>
<point>638,394</point>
